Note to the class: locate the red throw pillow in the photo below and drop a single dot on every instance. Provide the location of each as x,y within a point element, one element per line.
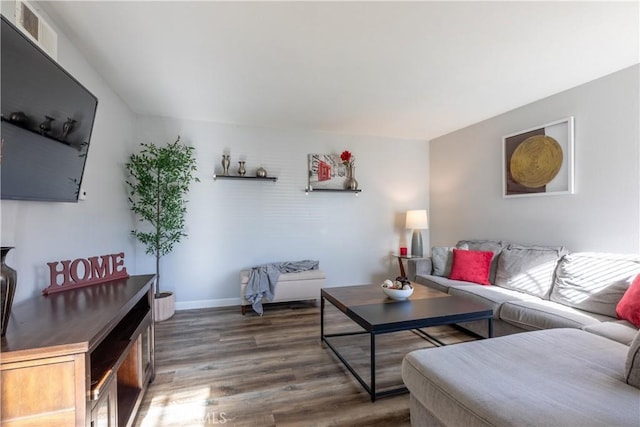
<point>629,306</point>
<point>471,266</point>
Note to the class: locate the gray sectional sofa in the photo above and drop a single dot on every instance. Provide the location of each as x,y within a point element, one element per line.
<point>576,364</point>
<point>537,287</point>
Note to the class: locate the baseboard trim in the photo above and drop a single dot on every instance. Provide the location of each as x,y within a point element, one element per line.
<point>207,303</point>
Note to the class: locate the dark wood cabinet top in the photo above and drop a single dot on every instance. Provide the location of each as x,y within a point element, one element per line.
<point>70,322</point>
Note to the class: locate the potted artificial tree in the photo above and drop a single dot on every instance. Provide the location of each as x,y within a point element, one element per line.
<point>158,181</point>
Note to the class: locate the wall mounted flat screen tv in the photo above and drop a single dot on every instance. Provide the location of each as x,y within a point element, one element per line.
<point>47,119</point>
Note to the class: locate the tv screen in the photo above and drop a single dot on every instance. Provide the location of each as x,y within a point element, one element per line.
<point>47,119</point>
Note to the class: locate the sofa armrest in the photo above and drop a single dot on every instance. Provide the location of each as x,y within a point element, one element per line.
<point>418,266</point>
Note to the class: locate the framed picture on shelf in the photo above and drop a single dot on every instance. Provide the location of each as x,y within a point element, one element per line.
<point>326,172</point>
<point>539,161</point>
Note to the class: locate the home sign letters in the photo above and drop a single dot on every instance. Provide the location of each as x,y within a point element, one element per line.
<point>65,275</point>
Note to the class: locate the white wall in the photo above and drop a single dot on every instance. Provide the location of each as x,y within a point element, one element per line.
<point>231,225</point>
<point>42,231</point>
<point>239,224</point>
<point>603,214</point>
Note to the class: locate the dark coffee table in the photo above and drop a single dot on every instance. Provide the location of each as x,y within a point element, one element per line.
<point>370,308</point>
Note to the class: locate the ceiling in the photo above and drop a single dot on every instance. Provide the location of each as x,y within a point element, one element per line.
<point>413,70</point>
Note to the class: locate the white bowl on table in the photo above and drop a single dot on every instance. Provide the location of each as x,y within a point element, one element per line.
<point>397,294</point>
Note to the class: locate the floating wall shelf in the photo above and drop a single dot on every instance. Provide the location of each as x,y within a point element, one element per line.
<point>255,178</point>
<point>331,190</point>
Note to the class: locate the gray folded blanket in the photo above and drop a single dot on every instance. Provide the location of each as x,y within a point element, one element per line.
<point>263,280</point>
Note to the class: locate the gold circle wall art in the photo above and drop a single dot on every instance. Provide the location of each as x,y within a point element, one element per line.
<point>539,161</point>
<point>536,161</point>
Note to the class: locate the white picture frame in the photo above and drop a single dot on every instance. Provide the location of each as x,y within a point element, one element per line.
<point>541,154</point>
<point>326,172</point>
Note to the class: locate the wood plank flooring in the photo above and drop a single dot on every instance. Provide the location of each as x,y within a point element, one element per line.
<point>217,367</point>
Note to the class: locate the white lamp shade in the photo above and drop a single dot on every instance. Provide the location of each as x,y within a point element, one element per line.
<point>417,219</point>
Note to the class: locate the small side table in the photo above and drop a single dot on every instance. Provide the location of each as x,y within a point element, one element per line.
<point>400,258</point>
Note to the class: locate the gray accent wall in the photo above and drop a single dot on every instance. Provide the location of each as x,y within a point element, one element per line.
<point>604,213</point>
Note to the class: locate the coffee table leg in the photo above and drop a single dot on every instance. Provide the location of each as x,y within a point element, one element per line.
<point>373,367</point>
<point>321,318</point>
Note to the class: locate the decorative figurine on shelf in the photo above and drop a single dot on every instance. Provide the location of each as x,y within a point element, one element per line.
<point>45,126</point>
<point>67,127</point>
<point>225,164</point>
<point>261,172</point>
<point>19,118</point>
<point>241,169</point>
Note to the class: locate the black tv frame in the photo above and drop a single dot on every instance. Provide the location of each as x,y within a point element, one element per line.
<point>36,164</point>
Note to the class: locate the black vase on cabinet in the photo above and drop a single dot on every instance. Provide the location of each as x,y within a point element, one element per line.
<point>8,279</point>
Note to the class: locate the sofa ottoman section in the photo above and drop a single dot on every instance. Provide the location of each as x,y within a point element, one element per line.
<point>513,381</point>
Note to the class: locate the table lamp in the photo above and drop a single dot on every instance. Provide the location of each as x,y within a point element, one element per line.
<point>417,220</point>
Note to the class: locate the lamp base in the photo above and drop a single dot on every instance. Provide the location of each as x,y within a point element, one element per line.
<point>416,243</point>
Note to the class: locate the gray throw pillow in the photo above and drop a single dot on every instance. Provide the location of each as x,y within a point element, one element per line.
<point>632,365</point>
<point>528,269</point>
<point>442,258</point>
<point>594,282</point>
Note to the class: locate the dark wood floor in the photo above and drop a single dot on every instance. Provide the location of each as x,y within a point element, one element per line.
<point>217,367</point>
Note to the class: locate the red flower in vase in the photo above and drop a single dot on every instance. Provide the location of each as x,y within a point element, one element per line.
<point>346,158</point>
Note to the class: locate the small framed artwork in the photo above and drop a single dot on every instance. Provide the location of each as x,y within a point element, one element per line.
<point>326,172</point>
<point>539,161</point>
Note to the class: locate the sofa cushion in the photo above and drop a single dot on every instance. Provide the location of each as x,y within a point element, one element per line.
<point>442,258</point>
<point>471,266</point>
<point>560,377</point>
<point>594,282</point>
<point>632,364</point>
<point>495,246</point>
<point>543,314</point>
<point>629,306</point>
<point>442,284</point>
<point>528,269</point>
<point>492,296</point>
<point>617,330</point>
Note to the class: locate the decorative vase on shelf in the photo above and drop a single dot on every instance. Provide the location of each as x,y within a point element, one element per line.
<point>261,172</point>
<point>225,164</point>
<point>67,127</point>
<point>19,118</point>
<point>241,169</point>
<point>350,182</point>
<point>45,126</point>
<point>8,279</point>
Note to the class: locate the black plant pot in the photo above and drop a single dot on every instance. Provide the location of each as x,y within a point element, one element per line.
<point>8,279</point>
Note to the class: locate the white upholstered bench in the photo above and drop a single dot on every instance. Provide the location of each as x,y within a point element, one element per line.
<point>301,286</point>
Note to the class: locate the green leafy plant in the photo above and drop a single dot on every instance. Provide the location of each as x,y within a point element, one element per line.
<point>158,181</point>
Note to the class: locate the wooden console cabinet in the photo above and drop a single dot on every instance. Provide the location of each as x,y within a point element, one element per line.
<point>83,357</point>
